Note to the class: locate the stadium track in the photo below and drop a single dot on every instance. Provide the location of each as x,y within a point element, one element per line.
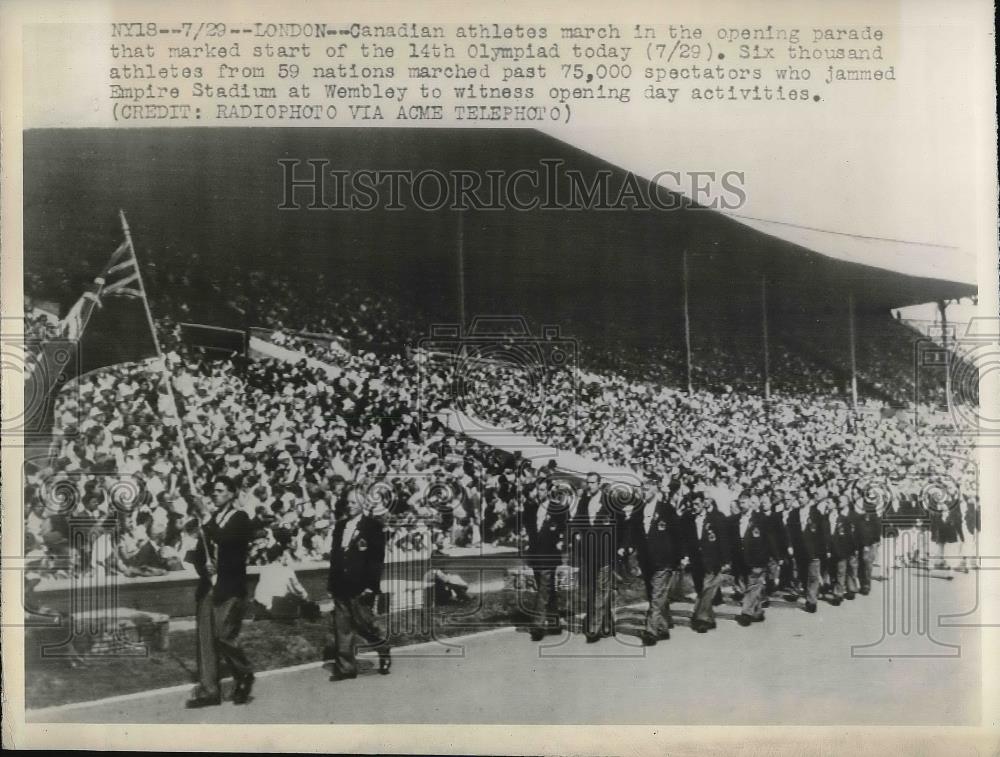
<point>794,669</point>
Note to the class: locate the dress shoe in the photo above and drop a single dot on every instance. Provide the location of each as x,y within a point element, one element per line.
<point>241,694</point>
<point>195,703</point>
<point>699,627</point>
<point>835,601</point>
<point>664,635</point>
<point>865,592</point>
<point>553,630</point>
<point>537,634</point>
<point>810,607</point>
<point>759,618</point>
<point>592,637</point>
<point>342,676</point>
<point>648,640</point>
<point>384,662</point>
<point>849,595</point>
<point>743,620</point>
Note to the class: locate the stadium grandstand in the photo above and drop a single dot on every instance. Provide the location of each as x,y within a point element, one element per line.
<point>694,346</point>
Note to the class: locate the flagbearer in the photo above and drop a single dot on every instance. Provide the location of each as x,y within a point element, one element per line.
<point>221,562</point>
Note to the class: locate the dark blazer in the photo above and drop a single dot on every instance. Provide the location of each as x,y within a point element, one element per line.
<point>230,542</point>
<point>793,528</point>
<point>544,550</point>
<point>855,519</point>
<point>625,533</point>
<point>709,552</point>
<point>655,548</point>
<point>870,527</point>
<point>841,545</point>
<point>750,550</point>
<point>778,537</point>
<point>358,566</point>
<point>971,518</point>
<point>812,543</point>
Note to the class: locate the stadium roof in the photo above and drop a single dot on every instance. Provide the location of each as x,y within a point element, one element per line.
<point>935,261</point>
<point>211,197</point>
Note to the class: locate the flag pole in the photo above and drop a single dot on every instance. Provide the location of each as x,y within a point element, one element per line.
<point>854,358</point>
<point>142,286</point>
<point>165,375</point>
<point>461,274</point>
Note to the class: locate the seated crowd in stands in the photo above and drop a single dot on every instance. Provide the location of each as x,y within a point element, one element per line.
<point>294,434</point>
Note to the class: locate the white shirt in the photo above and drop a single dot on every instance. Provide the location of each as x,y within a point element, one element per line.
<point>593,505</point>
<point>647,515</point>
<point>700,521</point>
<point>349,528</point>
<point>277,580</point>
<point>744,523</point>
<point>154,486</point>
<point>102,555</point>
<point>543,511</point>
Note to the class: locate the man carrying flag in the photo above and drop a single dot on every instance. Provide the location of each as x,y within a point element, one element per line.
<point>220,560</point>
<point>221,554</point>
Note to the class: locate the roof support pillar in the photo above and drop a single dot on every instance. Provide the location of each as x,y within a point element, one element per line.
<point>763,322</point>
<point>687,326</point>
<point>854,361</point>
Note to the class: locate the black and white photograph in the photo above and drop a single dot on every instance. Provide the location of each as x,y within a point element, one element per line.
<point>668,418</point>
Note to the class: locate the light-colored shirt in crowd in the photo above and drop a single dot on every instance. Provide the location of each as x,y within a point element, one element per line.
<point>277,580</point>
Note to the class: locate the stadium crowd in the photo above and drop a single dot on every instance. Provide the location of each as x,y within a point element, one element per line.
<point>295,434</point>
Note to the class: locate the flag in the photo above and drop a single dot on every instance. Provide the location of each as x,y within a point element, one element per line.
<point>109,323</point>
<point>120,277</point>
